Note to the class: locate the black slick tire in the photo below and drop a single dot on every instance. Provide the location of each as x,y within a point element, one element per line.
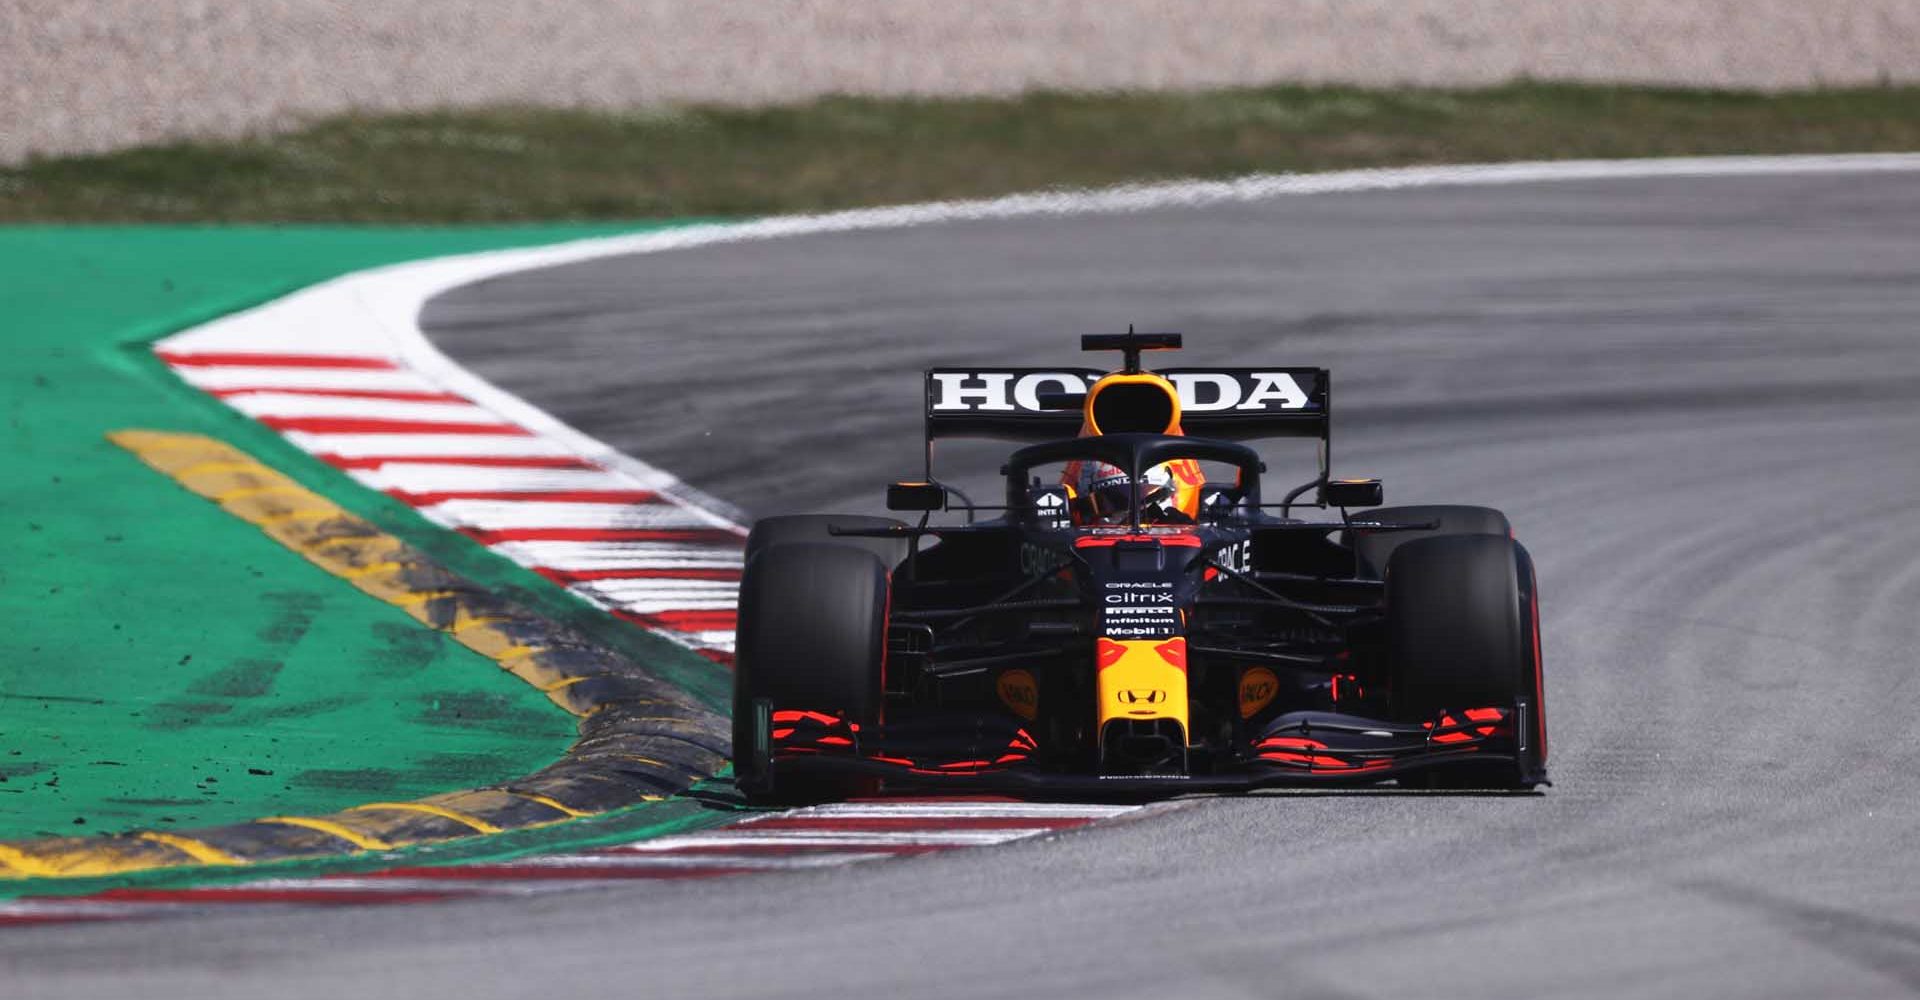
<point>1460,636</point>
<point>812,637</point>
<point>1376,549</point>
<point>788,529</point>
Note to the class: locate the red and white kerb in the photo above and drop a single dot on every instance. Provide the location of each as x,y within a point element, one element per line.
<point>611,535</point>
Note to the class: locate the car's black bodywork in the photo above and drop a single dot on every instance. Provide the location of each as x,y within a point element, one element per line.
<point>1234,648</point>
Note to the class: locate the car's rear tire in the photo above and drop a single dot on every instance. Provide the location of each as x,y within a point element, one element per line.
<point>1376,548</point>
<point>812,637</point>
<point>1460,636</point>
<point>788,529</point>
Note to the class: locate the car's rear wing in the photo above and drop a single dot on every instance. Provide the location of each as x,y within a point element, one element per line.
<point>1042,404</point>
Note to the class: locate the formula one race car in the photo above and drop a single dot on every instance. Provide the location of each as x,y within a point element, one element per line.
<point>1137,616</point>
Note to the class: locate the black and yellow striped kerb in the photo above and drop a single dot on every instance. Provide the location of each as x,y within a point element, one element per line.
<point>640,739</point>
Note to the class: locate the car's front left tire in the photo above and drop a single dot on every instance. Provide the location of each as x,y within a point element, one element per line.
<point>1462,634</point>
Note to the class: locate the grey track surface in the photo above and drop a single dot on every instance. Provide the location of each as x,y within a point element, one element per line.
<point>1700,402</point>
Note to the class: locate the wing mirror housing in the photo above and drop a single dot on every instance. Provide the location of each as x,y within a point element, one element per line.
<point>916,496</point>
<point>1352,493</point>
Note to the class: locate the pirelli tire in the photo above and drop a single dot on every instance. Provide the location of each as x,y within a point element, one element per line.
<point>1462,624</point>
<point>812,637</point>
<point>1376,549</point>
<point>818,528</point>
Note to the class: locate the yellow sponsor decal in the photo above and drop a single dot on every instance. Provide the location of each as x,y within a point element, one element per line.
<point>1143,679</point>
<point>1020,692</point>
<point>1258,687</point>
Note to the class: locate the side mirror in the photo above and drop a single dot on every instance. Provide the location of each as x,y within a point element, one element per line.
<point>916,496</point>
<point>1352,493</point>
<point>1218,501</point>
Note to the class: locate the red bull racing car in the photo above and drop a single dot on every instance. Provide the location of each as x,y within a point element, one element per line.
<point>1138,616</point>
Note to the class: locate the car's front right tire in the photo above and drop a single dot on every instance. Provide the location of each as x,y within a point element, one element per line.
<point>790,529</point>
<point>812,637</point>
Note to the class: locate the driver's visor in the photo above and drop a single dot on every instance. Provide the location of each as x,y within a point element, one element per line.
<point>1114,504</point>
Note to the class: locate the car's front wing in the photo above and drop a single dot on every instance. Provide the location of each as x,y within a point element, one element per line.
<point>1300,748</point>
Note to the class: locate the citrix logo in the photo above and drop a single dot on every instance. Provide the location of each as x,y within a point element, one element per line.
<point>1131,598</point>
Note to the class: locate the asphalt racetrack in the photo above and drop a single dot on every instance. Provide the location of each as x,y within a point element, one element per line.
<point>1699,400</point>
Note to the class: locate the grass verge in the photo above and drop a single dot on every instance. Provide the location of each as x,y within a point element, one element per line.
<point>511,164</point>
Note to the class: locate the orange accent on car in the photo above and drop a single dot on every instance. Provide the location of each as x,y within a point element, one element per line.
<point>1539,680</point>
<point>1092,426</point>
<point>1174,651</point>
<point>1137,681</point>
<point>1258,687</point>
<point>789,715</point>
<point>1323,762</point>
<point>1108,541</point>
<point>1292,742</point>
<point>1019,690</point>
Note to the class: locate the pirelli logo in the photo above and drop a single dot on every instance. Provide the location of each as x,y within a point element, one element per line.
<point>1252,391</point>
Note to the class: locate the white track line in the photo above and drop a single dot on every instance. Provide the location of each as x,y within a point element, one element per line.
<point>345,380</point>
<point>276,404</point>
<point>422,478</point>
<point>648,589</point>
<point>944,809</point>
<point>498,515</point>
<point>424,445</point>
<point>586,557</point>
<point>844,839</point>
<point>669,861</point>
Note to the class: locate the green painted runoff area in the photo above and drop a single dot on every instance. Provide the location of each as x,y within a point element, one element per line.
<point>169,666</point>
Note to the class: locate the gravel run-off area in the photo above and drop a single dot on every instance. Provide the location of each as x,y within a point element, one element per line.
<point>92,75</point>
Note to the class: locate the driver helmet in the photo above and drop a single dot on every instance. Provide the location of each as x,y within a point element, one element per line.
<point>1103,494</point>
